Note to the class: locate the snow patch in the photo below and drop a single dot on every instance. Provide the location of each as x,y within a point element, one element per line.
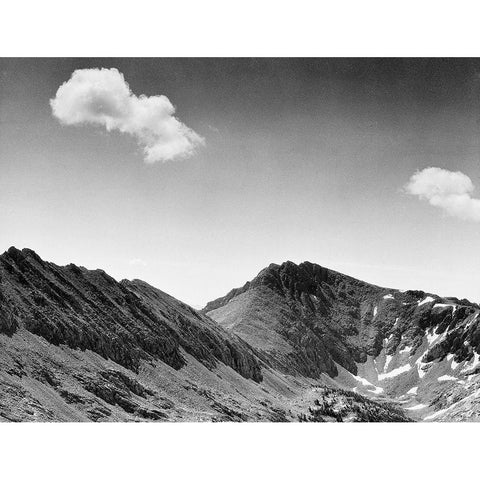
<point>375,311</point>
<point>420,363</point>
<point>388,297</point>
<point>476,360</point>
<point>473,363</point>
<point>412,391</point>
<point>395,372</point>
<point>433,337</point>
<point>454,364</point>
<point>388,359</point>
<point>446,378</point>
<point>366,383</point>
<point>445,305</point>
<point>417,407</point>
<point>425,300</point>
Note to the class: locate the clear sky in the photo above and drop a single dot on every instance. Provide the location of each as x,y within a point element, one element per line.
<point>298,160</point>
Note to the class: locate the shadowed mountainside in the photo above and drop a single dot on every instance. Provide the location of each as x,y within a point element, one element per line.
<point>123,321</point>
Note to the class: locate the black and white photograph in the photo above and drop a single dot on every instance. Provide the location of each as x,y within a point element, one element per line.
<point>220,239</point>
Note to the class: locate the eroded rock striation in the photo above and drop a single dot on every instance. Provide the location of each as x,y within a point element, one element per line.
<point>126,321</point>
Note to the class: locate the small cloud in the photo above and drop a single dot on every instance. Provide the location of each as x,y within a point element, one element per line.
<point>137,262</point>
<point>103,97</point>
<point>450,191</point>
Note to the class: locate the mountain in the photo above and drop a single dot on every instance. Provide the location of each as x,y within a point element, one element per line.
<point>297,343</point>
<point>78,345</point>
<point>415,349</point>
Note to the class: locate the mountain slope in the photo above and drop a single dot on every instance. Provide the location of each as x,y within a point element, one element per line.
<point>90,310</point>
<point>77,345</point>
<point>417,349</point>
<point>299,342</point>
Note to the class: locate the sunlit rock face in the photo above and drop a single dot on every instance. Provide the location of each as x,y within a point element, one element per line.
<point>309,320</point>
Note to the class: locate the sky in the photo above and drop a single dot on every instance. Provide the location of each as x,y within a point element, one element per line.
<point>194,174</point>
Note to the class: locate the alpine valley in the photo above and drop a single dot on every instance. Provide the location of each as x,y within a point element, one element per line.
<point>296,343</point>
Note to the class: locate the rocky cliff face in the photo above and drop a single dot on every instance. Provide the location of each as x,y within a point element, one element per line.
<point>312,321</point>
<point>321,318</point>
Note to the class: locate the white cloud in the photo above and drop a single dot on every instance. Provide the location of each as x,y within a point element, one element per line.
<point>450,191</point>
<point>137,262</point>
<point>103,97</point>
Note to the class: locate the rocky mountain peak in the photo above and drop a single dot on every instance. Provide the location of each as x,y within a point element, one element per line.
<point>18,255</point>
<point>296,279</point>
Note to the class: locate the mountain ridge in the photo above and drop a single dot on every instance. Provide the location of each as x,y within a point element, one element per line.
<point>373,339</point>
<point>75,344</point>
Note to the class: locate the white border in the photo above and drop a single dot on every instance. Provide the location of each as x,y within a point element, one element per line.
<point>247,28</point>
<point>237,451</point>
